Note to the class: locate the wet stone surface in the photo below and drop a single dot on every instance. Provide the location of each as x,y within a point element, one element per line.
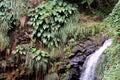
<point>80,52</point>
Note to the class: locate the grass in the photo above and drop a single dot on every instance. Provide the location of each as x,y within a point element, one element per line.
<point>77,31</point>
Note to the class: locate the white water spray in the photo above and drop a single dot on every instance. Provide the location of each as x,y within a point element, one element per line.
<point>91,62</point>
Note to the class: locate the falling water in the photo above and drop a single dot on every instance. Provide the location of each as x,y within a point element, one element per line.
<point>91,62</point>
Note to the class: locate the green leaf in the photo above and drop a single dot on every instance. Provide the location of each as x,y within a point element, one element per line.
<point>39,34</point>
<point>45,26</point>
<point>43,54</point>
<point>33,32</point>
<point>33,49</point>
<point>37,52</point>
<point>38,58</point>
<point>49,17</point>
<point>44,40</point>
<point>36,27</point>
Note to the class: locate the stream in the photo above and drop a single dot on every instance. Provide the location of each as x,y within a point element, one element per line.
<point>89,66</point>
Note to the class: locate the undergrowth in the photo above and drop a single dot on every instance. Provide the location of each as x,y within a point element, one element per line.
<point>10,12</point>
<point>76,31</point>
<point>32,57</point>
<point>109,67</point>
<point>4,41</point>
<point>47,19</point>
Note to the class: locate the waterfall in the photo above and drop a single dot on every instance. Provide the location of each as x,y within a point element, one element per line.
<point>91,62</point>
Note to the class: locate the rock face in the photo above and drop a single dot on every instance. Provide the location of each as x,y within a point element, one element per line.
<point>74,73</point>
<point>61,69</point>
<point>80,52</point>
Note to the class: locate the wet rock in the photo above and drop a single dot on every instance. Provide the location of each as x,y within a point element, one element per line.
<point>78,59</point>
<point>101,40</point>
<point>80,52</point>
<point>96,78</point>
<point>74,73</point>
<point>77,49</point>
<point>72,55</point>
<point>71,77</point>
<point>90,49</point>
<point>88,43</point>
<point>82,44</point>
<point>61,69</point>
<point>91,39</point>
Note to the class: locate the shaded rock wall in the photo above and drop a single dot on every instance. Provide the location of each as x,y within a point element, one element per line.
<point>80,52</point>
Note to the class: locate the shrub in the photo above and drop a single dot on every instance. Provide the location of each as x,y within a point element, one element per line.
<point>4,41</point>
<point>11,10</point>
<point>73,30</point>
<point>5,15</point>
<point>33,58</point>
<point>109,65</point>
<point>47,18</point>
<point>113,20</point>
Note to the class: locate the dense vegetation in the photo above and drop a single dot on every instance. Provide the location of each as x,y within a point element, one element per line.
<point>48,20</point>
<point>36,36</point>
<point>111,60</point>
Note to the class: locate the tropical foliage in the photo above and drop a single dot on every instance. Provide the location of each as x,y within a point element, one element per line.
<point>4,41</point>
<point>10,12</point>
<point>52,28</point>
<point>47,19</point>
<point>110,63</point>
<point>33,58</point>
<point>113,19</point>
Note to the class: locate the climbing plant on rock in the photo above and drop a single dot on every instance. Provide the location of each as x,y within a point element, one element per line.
<point>47,18</point>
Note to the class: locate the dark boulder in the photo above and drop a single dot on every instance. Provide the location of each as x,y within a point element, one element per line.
<point>74,73</point>
<point>90,49</point>
<point>61,69</point>
<point>80,52</point>
<point>77,49</point>
<point>78,59</point>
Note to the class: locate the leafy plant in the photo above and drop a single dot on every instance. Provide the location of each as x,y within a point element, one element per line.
<point>47,18</point>
<point>73,30</point>
<point>5,15</point>
<point>113,20</point>
<point>4,41</point>
<point>10,11</point>
<point>111,60</point>
<point>33,58</point>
